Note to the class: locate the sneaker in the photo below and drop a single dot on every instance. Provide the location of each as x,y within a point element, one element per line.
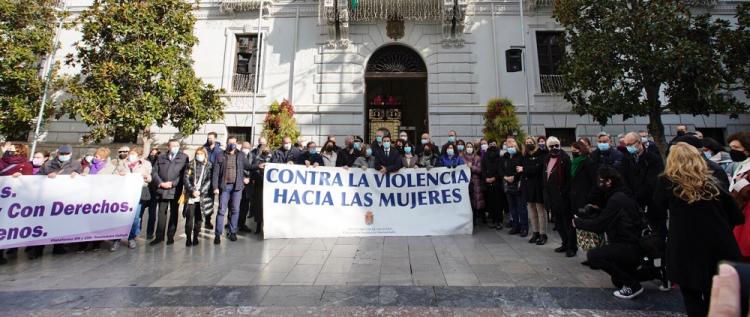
<point>131,244</point>
<point>115,246</point>
<point>627,292</point>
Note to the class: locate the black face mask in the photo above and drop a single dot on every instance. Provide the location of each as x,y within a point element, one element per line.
<point>680,133</point>
<point>123,156</point>
<point>555,152</point>
<point>737,156</point>
<point>530,147</point>
<point>9,153</point>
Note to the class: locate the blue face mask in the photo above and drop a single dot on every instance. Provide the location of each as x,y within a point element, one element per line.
<point>460,147</point>
<point>231,146</point>
<point>64,158</point>
<point>603,146</point>
<point>449,152</point>
<point>368,152</point>
<point>313,151</point>
<point>357,146</point>
<point>407,149</point>
<point>386,145</point>
<point>632,149</point>
<point>425,141</point>
<point>379,139</point>
<point>512,150</point>
<point>708,154</point>
<point>174,150</point>
<point>451,139</point>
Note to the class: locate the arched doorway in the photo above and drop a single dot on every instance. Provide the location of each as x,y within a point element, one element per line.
<point>396,92</point>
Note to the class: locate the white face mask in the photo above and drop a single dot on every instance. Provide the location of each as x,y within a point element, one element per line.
<point>287,146</point>
<point>469,150</point>
<point>89,158</point>
<point>246,151</point>
<point>132,157</point>
<point>200,158</point>
<point>484,147</point>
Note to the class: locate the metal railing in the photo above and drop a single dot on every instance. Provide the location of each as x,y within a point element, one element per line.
<point>243,82</point>
<point>551,83</point>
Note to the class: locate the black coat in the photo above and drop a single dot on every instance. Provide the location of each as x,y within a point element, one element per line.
<point>620,219</point>
<point>491,165</point>
<point>533,171</point>
<point>556,185</point>
<point>192,176</point>
<point>167,170</point>
<point>347,156</point>
<point>307,156</point>
<point>581,184</point>
<point>643,174</point>
<point>392,163</point>
<point>281,156</point>
<point>256,207</point>
<point>700,235</point>
<point>220,168</point>
<point>509,164</point>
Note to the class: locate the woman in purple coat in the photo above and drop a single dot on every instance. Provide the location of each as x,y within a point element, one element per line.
<point>474,161</point>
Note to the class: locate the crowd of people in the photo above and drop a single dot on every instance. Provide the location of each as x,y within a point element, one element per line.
<point>612,198</point>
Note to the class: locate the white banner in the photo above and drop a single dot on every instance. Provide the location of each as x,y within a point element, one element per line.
<point>313,202</point>
<point>36,210</point>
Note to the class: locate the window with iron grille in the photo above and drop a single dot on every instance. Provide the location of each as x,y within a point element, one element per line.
<point>246,60</point>
<point>241,133</point>
<point>566,135</point>
<point>550,49</point>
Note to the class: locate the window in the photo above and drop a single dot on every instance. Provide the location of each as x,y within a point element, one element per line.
<point>566,135</point>
<point>123,136</point>
<point>550,49</point>
<point>714,133</point>
<point>241,133</point>
<point>245,62</point>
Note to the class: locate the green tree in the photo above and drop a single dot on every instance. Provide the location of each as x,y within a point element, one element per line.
<point>136,69</point>
<point>500,120</point>
<point>27,30</point>
<point>280,122</point>
<point>735,42</point>
<point>622,56</point>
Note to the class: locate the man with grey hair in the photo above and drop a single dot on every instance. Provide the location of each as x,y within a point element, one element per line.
<point>605,155</point>
<point>648,144</point>
<point>642,168</point>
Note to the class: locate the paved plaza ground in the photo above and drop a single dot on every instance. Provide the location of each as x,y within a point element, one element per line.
<point>489,273</point>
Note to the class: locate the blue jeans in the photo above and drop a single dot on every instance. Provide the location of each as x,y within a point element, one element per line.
<point>135,230</point>
<point>517,206</point>
<point>231,193</point>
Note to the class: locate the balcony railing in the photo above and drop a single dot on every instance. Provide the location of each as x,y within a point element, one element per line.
<point>243,82</point>
<point>551,84</point>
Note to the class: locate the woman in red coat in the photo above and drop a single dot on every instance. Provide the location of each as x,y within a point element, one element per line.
<point>740,187</point>
<point>15,162</point>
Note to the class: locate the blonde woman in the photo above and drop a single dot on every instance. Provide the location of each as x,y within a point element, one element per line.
<point>532,173</point>
<point>701,218</point>
<point>135,164</point>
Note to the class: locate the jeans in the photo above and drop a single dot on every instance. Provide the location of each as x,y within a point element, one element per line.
<point>232,193</point>
<point>135,230</point>
<point>517,205</point>
<point>619,260</point>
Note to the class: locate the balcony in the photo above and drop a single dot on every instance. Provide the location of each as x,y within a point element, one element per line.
<point>243,82</point>
<point>551,84</point>
<point>243,5</point>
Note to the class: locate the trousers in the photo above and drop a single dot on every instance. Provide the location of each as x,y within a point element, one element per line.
<point>619,260</point>
<point>229,200</point>
<point>171,206</point>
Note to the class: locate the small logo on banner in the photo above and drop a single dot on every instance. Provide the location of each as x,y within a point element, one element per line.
<point>369,218</point>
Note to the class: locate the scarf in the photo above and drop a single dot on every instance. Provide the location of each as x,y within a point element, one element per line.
<point>133,165</point>
<point>97,165</point>
<point>574,163</point>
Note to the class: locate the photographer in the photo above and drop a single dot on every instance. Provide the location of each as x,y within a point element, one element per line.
<point>620,219</point>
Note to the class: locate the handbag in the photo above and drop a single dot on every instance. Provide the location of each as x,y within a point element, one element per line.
<point>588,240</point>
<point>511,188</point>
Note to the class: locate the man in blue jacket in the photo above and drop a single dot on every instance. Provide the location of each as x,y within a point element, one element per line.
<point>213,147</point>
<point>229,180</point>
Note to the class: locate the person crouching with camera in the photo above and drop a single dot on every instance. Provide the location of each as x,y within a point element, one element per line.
<point>621,221</point>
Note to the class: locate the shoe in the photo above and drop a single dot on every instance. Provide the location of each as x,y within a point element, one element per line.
<point>155,242</point>
<point>514,231</point>
<point>151,237</point>
<point>209,226</point>
<point>570,253</point>
<point>534,237</point>
<point>232,237</point>
<point>188,243</point>
<point>665,286</point>
<point>170,241</point>
<point>55,251</point>
<point>561,249</point>
<point>542,240</point>
<point>524,233</point>
<point>245,229</point>
<point>499,227</point>
<point>627,292</point>
<point>195,241</point>
<point>115,246</point>
<point>131,244</point>
<point>217,239</point>
<point>33,255</point>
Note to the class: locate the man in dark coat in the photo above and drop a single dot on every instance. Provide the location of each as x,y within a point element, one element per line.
<point>229,180</point>
<point>247,192</point>
<point>648,144</point>
<point>212,146</point>
<point>388,160</point>
<point>310,157</point>
<point>427,140</point>
<point>556,182</point>
<point>492,176</point>
<point>644,168</point>
<point>620,219</point>
<point>168,174</point>
<point>286,153</point>
<point>347,155</point>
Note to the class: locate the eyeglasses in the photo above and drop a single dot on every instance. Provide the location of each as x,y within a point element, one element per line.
<point>556,146</point>
<point>121,152</point>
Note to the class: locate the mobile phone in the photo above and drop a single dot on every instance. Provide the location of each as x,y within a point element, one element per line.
<point>743,270</point>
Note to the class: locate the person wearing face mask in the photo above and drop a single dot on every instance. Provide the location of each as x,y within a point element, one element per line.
<point>87,159</point>
<point>329,154</point>
<point>739,144</point>
<point>62,164</point>
<point>332,138</point>
<point>428,158</point>
<point>399,145</point>
<point>496,202</point>
<point>311,157</point>
<point>403,136</point>
<point>556,181</point>
<point>483,146</point>
<point>259,164</point>
<point>606,155</point>
<point>409,159</point>
<point>229,180</point>
<point>716,170</point>
<point>450,157</point>
<point>247,191</point>
<point>366,159</point>
<point>199,195</point>
<point>168,175</point>
<point>452,138</point>
<point>648,144</point>
<point>286,153</point>
<point>377,144</point>
<point>716,153</point>
<point>135,164</point>
<point>100,164</point>
<point>348,155</point>
<point>427,141</point>
<point>532,172</point>
<point>474,162</point>
<point>460,147</point>
<point>301,143</point>
<point>212,147</point>
<point>15,163</point>
<point>122,155</point>
<point>642,168</point>
<point>261,142</point>
<point>153,204</point>
<point>38,160</point>
<point>541,141</point>
<point>620,219</point>
<point>387,160</point>
<point>512,161</point>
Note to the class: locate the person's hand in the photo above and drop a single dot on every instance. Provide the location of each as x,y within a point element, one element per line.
<point>519,169</point>
<point>51,175</point>
<point>316,165</point>
<point>364,167</point>
<point>490,180</point>
<point>246,181</point>
<point>123,173</point>
<point>573,222</point>
<point>468,164</point>
<point>73,175</point>
<point>216,191</point>
<point>383,170</point>
<point>262,165</point>
<point>166,185</point>
<point>196,193</point>
<point>725,293</point>
<point>16,174</point>
<point>307,163</point>
<point>509,179</point>
<point>290,163</point>
<point>346,167</point>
